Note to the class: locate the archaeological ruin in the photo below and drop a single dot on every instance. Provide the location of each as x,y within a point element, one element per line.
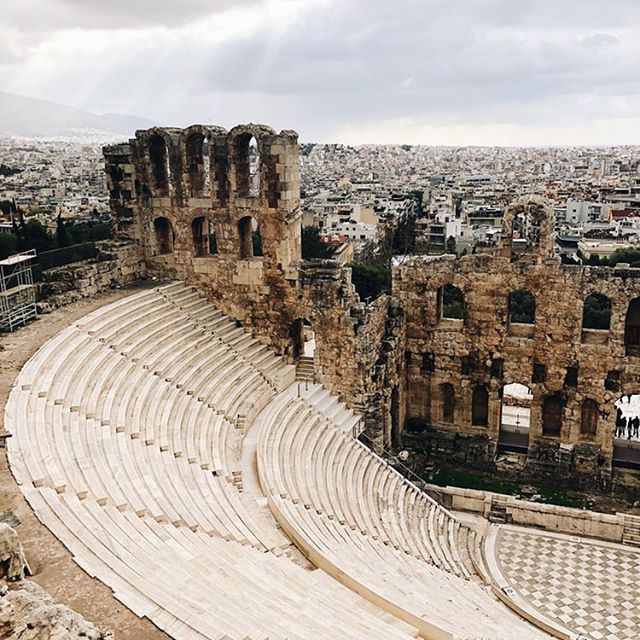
<point>214,441</point>
<point>221,210</point>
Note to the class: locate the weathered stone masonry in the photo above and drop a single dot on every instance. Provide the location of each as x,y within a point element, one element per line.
<point>192,201</point>
<point>578,372</point>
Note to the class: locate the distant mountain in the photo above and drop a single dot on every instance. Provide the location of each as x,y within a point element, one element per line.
<point>29,117</point>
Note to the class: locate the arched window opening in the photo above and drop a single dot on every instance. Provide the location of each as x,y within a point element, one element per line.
<point>589,418</point>
<point>250,238</point>
<point>526,232</point>
<point>480,407</point>
<point>159,158</point>
<point>163,230</point>
<point>515,418</point>
<point>200,238</point>
<point>626,435</point>
<point>596,313</point>
<point>451,303</point>
<point>247,163</point>
<point>522,307</point>
<point>448,396</point>
<point>303,338</point>
<point>632,329</point>
<point>552,409</point>
<point>213,240</point>
<point>197,150</point>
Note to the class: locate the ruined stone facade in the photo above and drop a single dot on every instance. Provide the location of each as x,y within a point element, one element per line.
<point>221,210</point>
<point>457,368</point>
<point>204,205</point>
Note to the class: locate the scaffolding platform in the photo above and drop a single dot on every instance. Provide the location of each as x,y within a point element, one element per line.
<point>17,291</point>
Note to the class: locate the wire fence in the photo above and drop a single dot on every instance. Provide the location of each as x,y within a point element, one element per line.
<point>66,255</point>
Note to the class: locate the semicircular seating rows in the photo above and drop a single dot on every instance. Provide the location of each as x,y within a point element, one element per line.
<point>128,435</point>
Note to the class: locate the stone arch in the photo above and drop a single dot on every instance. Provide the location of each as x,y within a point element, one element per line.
<point>522,307</point>
<point>516,400</point>
<point>303,338</point>
<point>158,147</point>
<point>448,402</point>
<point>480,406</point>
<point>552,414</point>
<point>528,230</point>
<point>626,433</point>
<point>247,144</point>
<point>164,235</point>
<point>596,312</point>
<point>589,418</point>
<point>203,152</point>
<point>204,237</point>
<point>198,166</point>
<point>451,303</point>
<point>632,328</point>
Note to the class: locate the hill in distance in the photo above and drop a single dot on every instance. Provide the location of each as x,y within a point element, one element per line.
<point>32,118</point>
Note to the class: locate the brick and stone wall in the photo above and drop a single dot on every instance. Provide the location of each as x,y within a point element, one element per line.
<point>190,202</point>
<point>117,264</point>
<point>167,185</point>
<point>554,356</point>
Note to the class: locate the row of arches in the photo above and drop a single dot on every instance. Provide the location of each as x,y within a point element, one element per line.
<point>200,169</point>
<point>515,410</point>
<point>596,313</point>
<point>204,239</point>
<point>521,304</point>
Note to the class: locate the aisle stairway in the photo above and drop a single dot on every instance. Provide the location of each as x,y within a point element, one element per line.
<point>128,431</point>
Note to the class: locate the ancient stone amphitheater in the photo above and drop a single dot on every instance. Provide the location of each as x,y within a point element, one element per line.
<point>168,440</point>
<point>130,449</point>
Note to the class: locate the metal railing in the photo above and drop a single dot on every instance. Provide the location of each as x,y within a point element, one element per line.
<point>404,479</point>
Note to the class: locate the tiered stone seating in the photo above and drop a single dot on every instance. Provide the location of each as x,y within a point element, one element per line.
<point>365,524</point>
<point>127,435</point>
<point>132,431</point>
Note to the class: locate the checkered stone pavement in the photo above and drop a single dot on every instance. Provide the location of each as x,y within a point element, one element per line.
<point>591,587</point>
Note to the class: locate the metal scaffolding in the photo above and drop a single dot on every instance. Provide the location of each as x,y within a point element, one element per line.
<point>17,291</point>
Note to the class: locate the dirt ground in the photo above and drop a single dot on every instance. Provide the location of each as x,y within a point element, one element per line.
<point>52,565</point>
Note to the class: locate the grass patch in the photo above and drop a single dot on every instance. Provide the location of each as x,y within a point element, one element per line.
<point>443,476</point>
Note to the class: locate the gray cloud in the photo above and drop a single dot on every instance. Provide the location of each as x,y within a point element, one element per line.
<point>342,62</point>
<point>596,40</point>
<point>46,16</point>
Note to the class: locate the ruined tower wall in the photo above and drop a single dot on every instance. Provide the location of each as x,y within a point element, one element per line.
<point>554,356</point>
<point>167,185</point>
<point>166,191</point>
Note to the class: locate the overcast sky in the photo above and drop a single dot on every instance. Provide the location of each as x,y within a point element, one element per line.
<point>457,72</point>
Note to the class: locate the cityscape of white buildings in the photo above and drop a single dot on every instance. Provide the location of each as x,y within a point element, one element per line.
<point>52,177</point>
<point>351,193</point>
<point>461,192</point>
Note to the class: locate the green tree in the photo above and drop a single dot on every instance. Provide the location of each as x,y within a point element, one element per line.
<point>312,245</point>
<point>632,256</point>
<point>33,235</point>
<point>370,280</point>
<point>403,236</point>
<point>63,239</point>
<point>522,307</point>
<point>452,302</point>
<point>597,312</point>
<point>451,245</point>
<point>8,245</point>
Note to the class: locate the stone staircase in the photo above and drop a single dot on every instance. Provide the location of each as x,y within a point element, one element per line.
<point>631,531</point>
<point>498,512</point>
<point>304,369</point>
